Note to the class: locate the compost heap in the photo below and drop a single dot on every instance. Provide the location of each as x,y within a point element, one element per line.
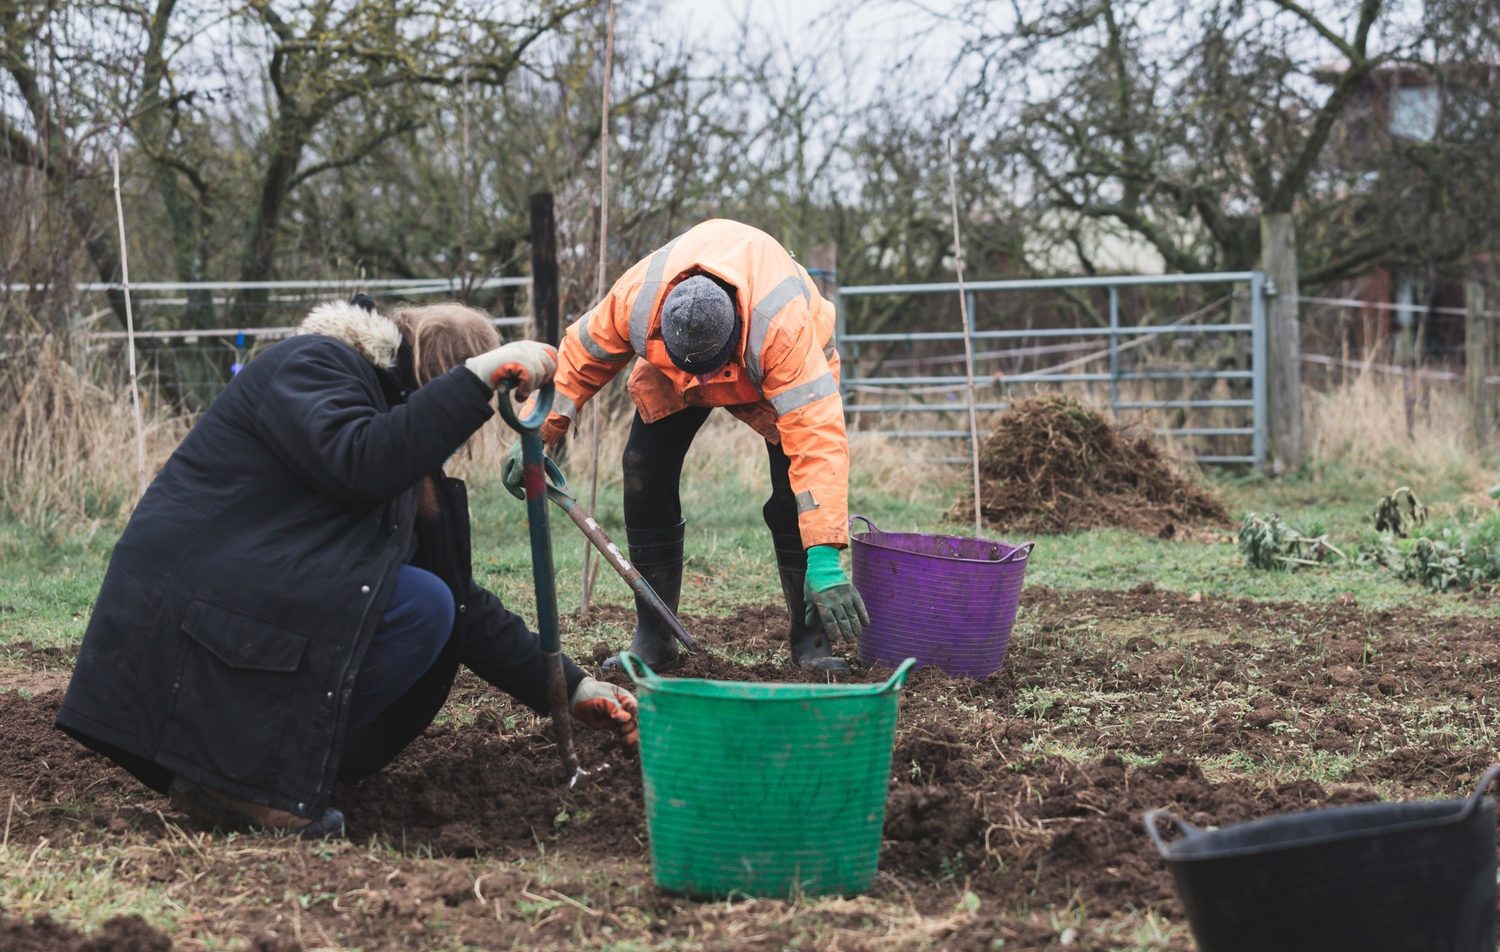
<point>1053,464</point>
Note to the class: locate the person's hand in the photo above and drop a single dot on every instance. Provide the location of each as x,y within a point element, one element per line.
<point>606,706</point>
<point>513,470</point>
<point>512,473</point>
<point>831,597</point>
<point>554,428</point>
<point>530,363</point>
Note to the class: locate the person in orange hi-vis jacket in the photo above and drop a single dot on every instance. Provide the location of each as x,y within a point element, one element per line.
<point>723,316</point>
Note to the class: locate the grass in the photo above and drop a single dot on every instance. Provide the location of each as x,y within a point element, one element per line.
<point>49,584</point>
<point>52,576</point>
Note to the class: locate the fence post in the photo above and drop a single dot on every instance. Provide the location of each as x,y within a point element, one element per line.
<point>1258,362</point>
<point>1278,248</point>
<point>1114,352</point>
<point>544,306</point>
<point>1476,362</point>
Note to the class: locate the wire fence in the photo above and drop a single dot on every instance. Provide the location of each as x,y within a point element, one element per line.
<point>1183,354</point>
<point>189,365</point>
<point>1346,337</point>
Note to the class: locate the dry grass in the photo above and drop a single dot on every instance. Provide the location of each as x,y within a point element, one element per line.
<point>67,456</point>
<point>1379,423</point>
<point>725,452</point>
<point>67,440</point>
<point>67,450</point>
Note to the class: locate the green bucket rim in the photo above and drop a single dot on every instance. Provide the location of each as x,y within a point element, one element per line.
<point>647,680</point>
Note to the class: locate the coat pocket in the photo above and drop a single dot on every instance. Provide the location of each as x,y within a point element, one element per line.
<point>239,689</point>
<point>243,641</point>
<point>654,393</point>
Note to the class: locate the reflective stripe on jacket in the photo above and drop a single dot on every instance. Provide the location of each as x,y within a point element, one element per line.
<point>784,382</point>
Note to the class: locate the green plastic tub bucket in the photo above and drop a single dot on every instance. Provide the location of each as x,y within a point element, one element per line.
<point>769,790</point>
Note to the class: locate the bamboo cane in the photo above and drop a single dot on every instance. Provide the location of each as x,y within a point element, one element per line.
<point>963,309</point>
<point>135,389</point>
<point>599,288</point>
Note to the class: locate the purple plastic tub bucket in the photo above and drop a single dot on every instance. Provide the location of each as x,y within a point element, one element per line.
<point>944,600</point>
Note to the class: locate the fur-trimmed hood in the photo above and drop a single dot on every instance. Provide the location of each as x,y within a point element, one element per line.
<point>376,338</point>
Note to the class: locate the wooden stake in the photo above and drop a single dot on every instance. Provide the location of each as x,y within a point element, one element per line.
<point>1278,244</point>
<point>544,297</point>
<point>599,289</point>
<point>963,309</point>
<point>135,390</point>
<point>1476,364</point>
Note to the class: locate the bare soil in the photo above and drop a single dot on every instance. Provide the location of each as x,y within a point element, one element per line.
<point>1025,790</point>
<point>120,934</point>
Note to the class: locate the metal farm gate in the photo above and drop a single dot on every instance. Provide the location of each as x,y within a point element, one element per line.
<point>1162,348</point>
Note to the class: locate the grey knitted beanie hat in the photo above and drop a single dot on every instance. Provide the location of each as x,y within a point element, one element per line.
<point>699,324</point>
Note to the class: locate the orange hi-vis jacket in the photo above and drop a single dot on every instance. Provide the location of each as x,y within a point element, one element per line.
<point>783,382</point>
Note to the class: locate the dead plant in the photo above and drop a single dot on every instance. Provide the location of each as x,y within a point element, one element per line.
<point>1053,464</point>
<point>67,434</point>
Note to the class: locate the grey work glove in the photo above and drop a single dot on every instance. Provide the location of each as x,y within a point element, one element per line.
<point>512,473</point>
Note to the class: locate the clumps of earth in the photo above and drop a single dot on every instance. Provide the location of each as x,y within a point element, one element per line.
<point>44,934</point>
<point>1053,464</point>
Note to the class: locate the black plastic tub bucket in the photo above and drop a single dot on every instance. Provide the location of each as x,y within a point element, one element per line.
<point>1380,877</point>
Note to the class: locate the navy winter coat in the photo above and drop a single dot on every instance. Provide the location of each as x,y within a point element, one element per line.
<point>241,597</point>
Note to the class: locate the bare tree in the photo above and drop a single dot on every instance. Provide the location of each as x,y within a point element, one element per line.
<point>1181,123</point>
<point>67,96</point>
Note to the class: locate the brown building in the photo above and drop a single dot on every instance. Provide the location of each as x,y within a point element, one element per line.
<point>1407,309</point>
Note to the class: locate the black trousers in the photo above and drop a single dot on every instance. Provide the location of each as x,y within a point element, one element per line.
<point>652,467</point>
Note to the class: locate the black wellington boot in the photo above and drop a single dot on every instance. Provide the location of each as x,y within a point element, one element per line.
<point>657,554</point>
<point>811,649</point>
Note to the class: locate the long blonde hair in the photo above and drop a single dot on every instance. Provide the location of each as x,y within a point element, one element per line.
<point>444,335</point>
<point>441,336</point>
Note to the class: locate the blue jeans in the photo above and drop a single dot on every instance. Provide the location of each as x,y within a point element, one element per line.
<point>413,629</point>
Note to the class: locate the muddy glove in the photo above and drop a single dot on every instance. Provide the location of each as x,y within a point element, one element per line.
<point>605,706</point>
<point>512,473</point>
<point>831,597</point>
<point>513,470</point>
<point>530,363</point>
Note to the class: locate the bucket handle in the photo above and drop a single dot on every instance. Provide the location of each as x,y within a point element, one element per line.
<point>1480,790</point>
<point>1153,827</point>
<point>894,682</point>
<point>645,678</point>
<point>1025,547</point>
<point>1153,818</point>
<point>866,520</point>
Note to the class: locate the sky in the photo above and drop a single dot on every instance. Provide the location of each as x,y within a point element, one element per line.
<point>878,31</point>
<point>880,26</point>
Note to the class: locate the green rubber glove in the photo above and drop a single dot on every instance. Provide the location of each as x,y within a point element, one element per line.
<point>831,597</point>
<point>512,472</point>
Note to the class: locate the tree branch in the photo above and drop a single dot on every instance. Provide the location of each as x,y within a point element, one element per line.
<point>356,155</point>
<point>22,151</point>
<point>1332,110</point>
<point>1352,260</point>
<point>1353,55</point>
